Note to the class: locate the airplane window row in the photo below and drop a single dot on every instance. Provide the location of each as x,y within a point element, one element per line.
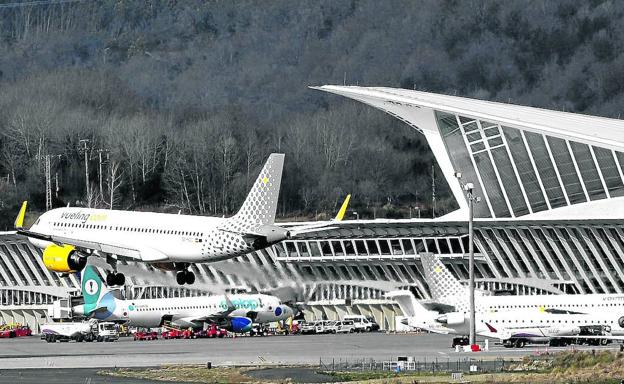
<point>551,322</point>
<point>189,307</point>
<point>169,308</point>
<point>128,229</point>
<point>555,306</point>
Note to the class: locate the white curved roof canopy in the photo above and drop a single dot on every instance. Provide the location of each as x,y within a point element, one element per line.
<point>600,131</point>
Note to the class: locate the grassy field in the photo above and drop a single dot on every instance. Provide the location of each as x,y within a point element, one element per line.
<point>565,367</point>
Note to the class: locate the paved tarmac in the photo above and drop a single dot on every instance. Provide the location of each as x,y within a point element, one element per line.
<point>32,352</point>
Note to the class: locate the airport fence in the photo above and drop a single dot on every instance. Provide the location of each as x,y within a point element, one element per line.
<point>403,364</point>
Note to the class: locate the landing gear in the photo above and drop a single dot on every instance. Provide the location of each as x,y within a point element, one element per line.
<point>115,278</point>
<point>185,277</point>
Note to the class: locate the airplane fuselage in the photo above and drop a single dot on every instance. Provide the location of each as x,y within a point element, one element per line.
<point>190,311</point>
<point>158,237</point>
<point>536,327</point>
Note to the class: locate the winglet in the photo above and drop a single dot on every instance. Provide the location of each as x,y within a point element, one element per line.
<point>19,220</point>
<point>343,208</point>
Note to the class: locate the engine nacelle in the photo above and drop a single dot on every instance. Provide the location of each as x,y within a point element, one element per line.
<point>63,259</point>
<point>453,318</point>
<point>271,234</point>
<point>238,324</point>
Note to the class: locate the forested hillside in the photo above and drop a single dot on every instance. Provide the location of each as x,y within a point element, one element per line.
<point>183,100</point>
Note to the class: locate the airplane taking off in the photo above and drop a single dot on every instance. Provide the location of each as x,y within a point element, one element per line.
<point>236,313</point>
<point>68,236</point>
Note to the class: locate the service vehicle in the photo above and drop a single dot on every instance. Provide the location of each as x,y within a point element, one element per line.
<point>63,332</point>
<point>90,330</point>
<point>175,333</point>
<point>107,331</point>
<point>145,335</point>
<point>343,326</point>
<point>10,331</point>
<point>324,326</point>
<point>211,332</point>
<point>361,323</point>
<point>307,328</point>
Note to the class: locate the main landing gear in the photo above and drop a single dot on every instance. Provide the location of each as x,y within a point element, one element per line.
<point>185,277</point>
<point>115,278</point>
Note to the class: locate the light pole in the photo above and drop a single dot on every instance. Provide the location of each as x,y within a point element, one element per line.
<point>468,187</point>
<point>472,199</point>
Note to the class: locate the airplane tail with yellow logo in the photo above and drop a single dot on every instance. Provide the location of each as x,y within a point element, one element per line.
<point>443,286</point>
<point>260,206</point>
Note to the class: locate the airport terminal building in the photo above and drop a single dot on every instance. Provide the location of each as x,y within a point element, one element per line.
<point>549,221</point>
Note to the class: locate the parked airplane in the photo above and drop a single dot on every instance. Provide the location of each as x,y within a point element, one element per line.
<point>416,315</point>
<point>236,313</point>
<point>517,320</point>
<point>68,236</point>
<point>514,328</point>
<point>449,295</point>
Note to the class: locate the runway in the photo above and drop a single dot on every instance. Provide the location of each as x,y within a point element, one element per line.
<point>35,353</point>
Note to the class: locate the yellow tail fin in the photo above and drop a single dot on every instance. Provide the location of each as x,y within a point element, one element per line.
<point>343,208</point>
<point>19,220</point>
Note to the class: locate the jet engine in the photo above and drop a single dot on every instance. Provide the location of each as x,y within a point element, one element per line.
<point>453,318</point>
<point>237,324</point>
<point>63,259</point>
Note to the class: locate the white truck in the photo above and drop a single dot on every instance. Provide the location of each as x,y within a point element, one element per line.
<point>79,331</point>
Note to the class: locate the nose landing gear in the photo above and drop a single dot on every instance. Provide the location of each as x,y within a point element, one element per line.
<point>185,277</point>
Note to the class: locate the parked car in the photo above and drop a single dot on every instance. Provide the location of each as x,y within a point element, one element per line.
<point>308,328</point>
<point>145,335</point>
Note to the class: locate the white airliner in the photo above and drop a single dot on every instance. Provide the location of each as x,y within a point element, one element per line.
<point>515,320</point>
<point>517,328</point>
<point>449,295</point>
<point>68,236</point>
<point>514,328</point>
<point>236,313</point>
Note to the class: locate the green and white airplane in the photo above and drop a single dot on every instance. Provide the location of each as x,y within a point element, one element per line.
<point>236,313</point>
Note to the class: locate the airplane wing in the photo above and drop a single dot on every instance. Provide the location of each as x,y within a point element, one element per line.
<point>441,308</point>
<point>145,254</point>
<point>215,316</point>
